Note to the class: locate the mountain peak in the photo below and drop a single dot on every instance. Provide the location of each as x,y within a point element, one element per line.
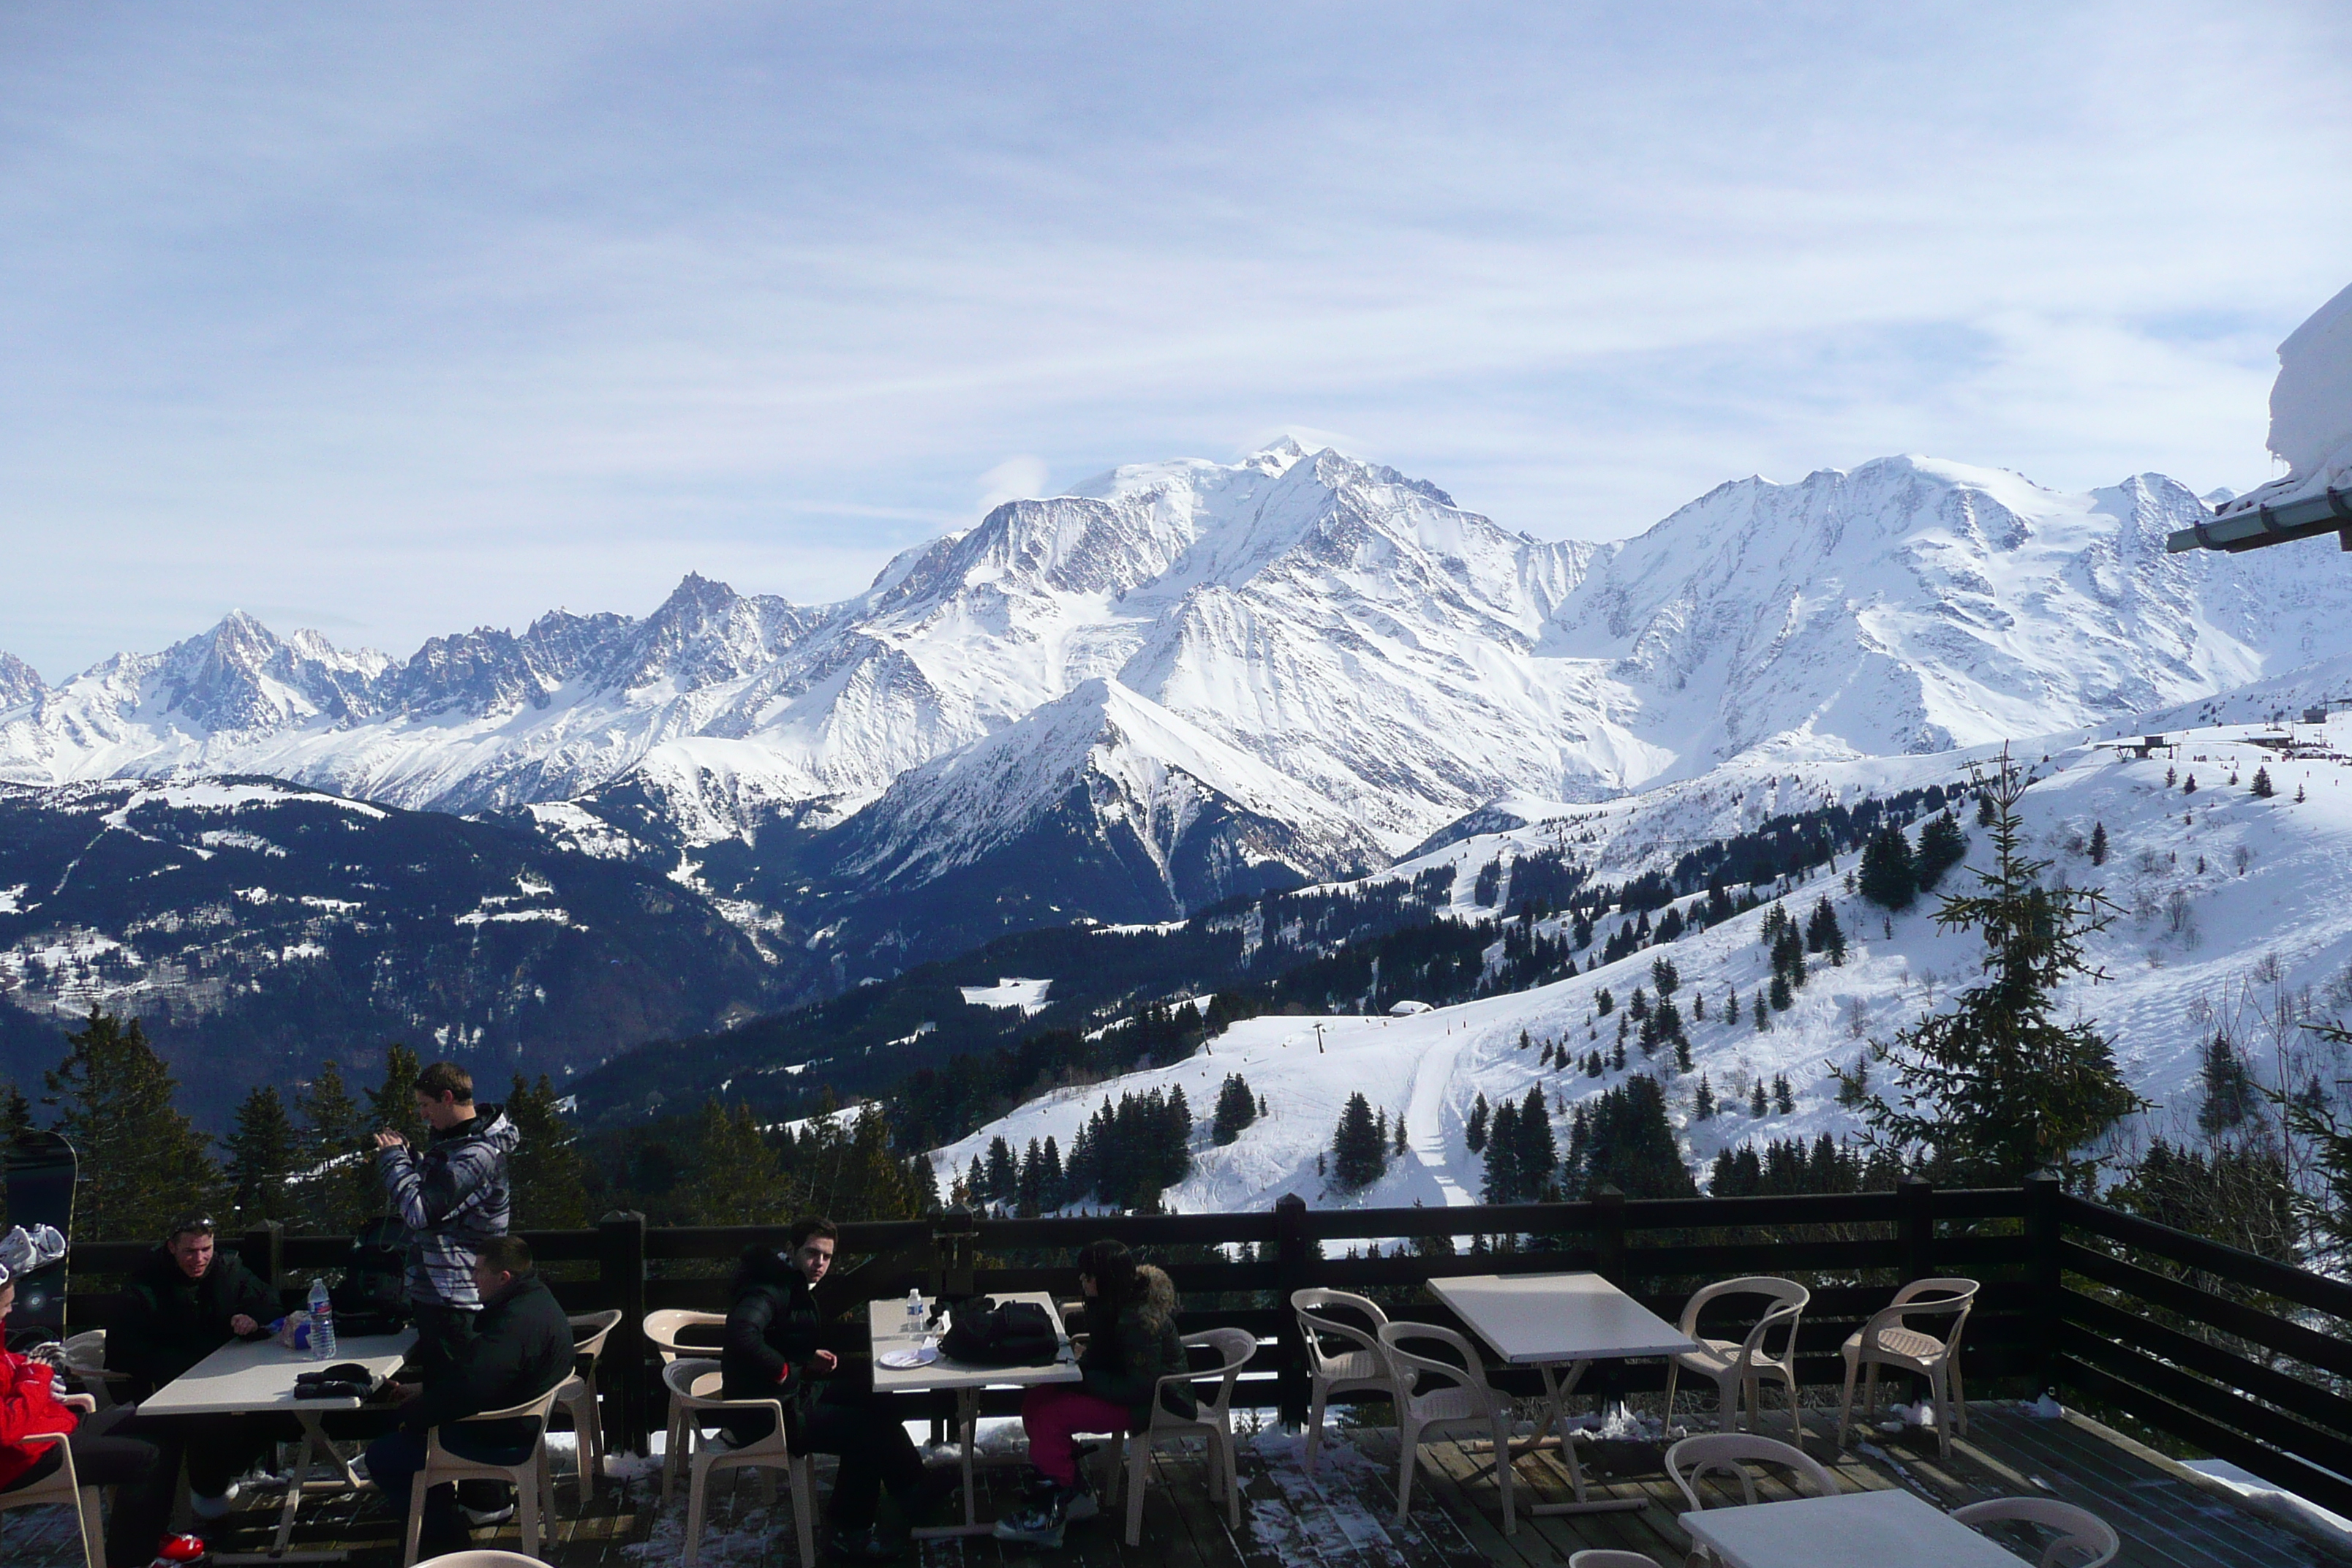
<point>19,681</point>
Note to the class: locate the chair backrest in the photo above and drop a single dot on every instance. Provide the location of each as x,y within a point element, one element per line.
<point>482,1560</point>
<point>661,1330</point>
<point>536,1409</point>
<point>1953,1299</point>
<point>2079,1531</point>
<point>1315,1320</point>
<point>1731,1453</point>
<point>1787,1299</point>
<point>1410,1369</point>
<point>589,1333</point>
<point>1235,1349</point>
<point>1601,1557</point>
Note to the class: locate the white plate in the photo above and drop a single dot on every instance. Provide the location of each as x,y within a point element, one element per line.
<point>899,1361</point>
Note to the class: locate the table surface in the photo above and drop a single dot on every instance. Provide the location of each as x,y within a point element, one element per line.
<point>1856,1529</point>
<point>888,1322</point>
<point>248,1375</point>
<point>1532,1318</point>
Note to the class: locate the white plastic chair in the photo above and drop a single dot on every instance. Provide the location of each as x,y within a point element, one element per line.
<point>1214,1423</point>
<point>661,1330</point>
<point>1366,1365</point>
<point>578,1395</point>
<point>693,1387</point>
<point>1599,1557</point>
<point>481,1560</point>
<point>2077,1529</point>
<point>1731,1453</point>
<point>1888,1340</point>
<point>84,1356</point>
<point>534,1488</point>
<point>1739,1367</point>
<point>1465,1400</point>
<point>59,1486</point>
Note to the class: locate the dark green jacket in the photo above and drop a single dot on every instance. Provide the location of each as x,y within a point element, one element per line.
<point>164,1323</point>
<point>1126,1357</point>
<point>522,1348</point>
<point>770,1348</point>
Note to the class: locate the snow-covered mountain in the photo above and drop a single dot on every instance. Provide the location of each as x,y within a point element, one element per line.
<point>1299,660</point>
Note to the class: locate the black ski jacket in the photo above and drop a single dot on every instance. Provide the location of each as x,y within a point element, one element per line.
<point>521,1347</point>
<point>164,1323</point>
<point>771,1344</point>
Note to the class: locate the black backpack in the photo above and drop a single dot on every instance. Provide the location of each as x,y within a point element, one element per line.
<point>371,1296</point>
<point>984,1332</point>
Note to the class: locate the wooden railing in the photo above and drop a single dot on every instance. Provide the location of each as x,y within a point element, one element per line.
<point>2077,1297</point>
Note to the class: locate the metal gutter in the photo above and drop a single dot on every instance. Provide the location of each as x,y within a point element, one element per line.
<point>2330,512</point>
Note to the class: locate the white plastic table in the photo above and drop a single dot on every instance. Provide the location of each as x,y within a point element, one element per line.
<point>1560,1324</point>
<point>1854,1529</point>
<point>255,1377</point>
<point>887,1321</point>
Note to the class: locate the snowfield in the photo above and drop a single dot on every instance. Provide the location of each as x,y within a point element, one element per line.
<point>2232,917</point>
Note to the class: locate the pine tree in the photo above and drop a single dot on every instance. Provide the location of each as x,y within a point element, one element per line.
<point>2000,1084</point>
<point>550,1175</point>
<point>1823,934</point>
<point>1763,1014</point>
<point>1359,1154</point>
<point>1626,1141</point>
<point>2228,1087</point>
<point>1698,1006</point>
<point>1663,976</point>
<point>1003,1175</point>
<point>1731,1009</point>
<point>1029,1188</point>
<point>1702,1104</point>
<point>1853,1087</point>
<point>142,1164</point>
<point>1502,1183</point>
<point>2298,795</point>
<point>1756,1105</point>
<point>1942,845</point>
<point>2098,844</point>
<point>1888,878</point>
<point>263,1151</point>
<point>2262,785</point>
<point>735,1180</point>
<point>2189,785</point>
<point>1781,999</point>
<point>1400,1143</point>
<point>339,1189</point>
<point>1681,1053</point>
<point>1473,1132</point>
<point>1617,1056</point>
<point>1236,1108</point>
<point>392,1107</point>
<point>1783,1099</point>
<point>1985,806</point>
<point>1053,1187</point>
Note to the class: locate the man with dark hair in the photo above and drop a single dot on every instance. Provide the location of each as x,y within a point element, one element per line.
<point>184,1300</point>
<point>519,1348</point>
<point>771,1351</point>
<point>452,1197</point>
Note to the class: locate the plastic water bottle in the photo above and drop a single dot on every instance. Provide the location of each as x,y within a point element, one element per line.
<point>915,1313</point>
<point>323,1323</point>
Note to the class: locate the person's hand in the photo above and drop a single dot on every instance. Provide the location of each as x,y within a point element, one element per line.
<point>241,1324</point>
<point>826,1361</point>
<point>390,1141</point>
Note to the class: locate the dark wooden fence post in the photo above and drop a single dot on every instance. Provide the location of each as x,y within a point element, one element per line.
<point>263,1251</point>
<point>621,1266</point>
<point>1294,1262</point>
<point>2043,1235</point>
<point>1916,1195</point>
<point>1608,1235</point>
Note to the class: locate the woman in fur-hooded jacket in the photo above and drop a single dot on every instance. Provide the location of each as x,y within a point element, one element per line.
<point>1131,1344</point>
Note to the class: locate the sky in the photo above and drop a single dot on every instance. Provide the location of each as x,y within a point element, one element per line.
<point>395,320</point>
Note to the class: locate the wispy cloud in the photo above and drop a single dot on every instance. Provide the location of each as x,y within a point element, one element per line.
<point>423,317</point>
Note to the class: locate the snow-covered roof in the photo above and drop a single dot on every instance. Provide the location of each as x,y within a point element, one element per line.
<point>2311,430</point>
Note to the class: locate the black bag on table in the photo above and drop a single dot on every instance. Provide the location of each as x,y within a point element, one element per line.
<point>986,1332</point>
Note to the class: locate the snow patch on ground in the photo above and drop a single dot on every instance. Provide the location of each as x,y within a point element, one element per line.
<point>1029,995</point>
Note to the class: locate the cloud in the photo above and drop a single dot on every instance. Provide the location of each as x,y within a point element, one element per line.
<point>1015,478</point>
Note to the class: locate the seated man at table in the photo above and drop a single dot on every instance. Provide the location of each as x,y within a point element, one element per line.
<point>1131,1344</point>
<point>106,1449</point>
<point>771,1351</point>
<point>184,1300</point>
<point>521,1348</point>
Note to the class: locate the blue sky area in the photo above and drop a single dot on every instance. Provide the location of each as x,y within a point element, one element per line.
<point>392,320</point>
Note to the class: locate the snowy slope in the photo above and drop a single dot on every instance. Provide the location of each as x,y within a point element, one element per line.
<point>2253,946</point>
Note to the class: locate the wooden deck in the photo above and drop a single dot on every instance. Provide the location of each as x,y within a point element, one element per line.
<point>1346,1517</point>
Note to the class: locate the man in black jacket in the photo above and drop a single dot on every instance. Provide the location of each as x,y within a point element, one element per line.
<point>771,1351</point>
<point>184,1300</point>
<point>521,1348</point>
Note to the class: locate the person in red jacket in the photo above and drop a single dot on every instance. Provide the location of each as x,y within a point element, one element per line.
<point>104,1453</point>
